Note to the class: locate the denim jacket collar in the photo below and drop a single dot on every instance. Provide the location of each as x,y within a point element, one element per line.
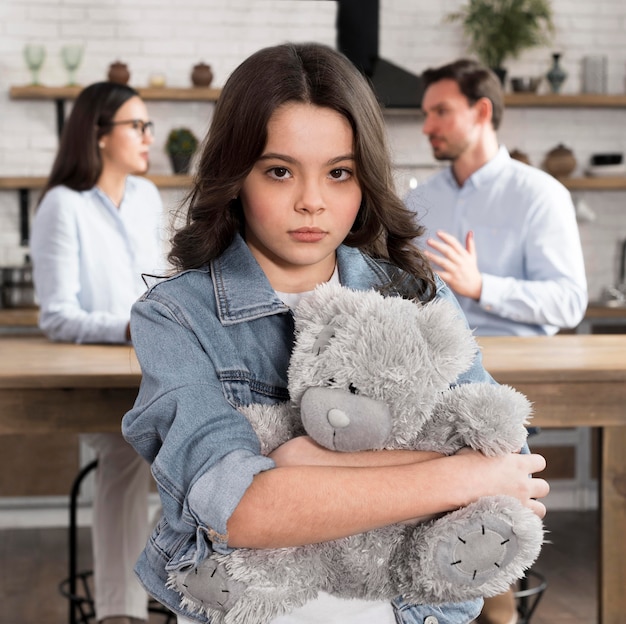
<point>243,292</point>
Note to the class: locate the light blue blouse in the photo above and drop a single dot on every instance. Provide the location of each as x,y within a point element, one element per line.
<point>88,258</point>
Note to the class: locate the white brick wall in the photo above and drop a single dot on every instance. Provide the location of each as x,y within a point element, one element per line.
<point>160,36</point>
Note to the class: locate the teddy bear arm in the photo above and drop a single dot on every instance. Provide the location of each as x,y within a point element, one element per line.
<point>485,417</point>
<point>273,424</point>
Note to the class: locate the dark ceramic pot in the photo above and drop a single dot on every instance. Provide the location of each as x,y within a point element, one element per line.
<point>521,156</point>
<point>202,75</point>
<point>180,163</point>
<point>118,72</point>
<point>500,72</point>
<point>560,161</point>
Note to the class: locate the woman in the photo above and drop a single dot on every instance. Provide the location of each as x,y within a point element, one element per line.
<point>97,229</point>
<point>294,189</point>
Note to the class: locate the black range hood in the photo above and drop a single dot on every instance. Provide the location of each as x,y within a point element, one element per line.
<point>357,38</point>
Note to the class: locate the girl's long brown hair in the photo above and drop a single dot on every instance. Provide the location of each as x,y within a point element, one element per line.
<point>312,74</point>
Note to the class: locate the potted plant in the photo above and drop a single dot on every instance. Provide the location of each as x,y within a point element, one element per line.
<point>501,29</point>
<point>181,145</point>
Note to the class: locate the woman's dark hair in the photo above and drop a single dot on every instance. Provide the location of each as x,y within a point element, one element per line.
<point>78,163</point>
<point>475,81</point>
<point>311,74</point>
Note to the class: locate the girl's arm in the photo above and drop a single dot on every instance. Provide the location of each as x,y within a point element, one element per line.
<point>303,451</point>
<point>295,505</point>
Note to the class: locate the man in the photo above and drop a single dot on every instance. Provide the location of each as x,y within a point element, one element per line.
<point>500,233</point>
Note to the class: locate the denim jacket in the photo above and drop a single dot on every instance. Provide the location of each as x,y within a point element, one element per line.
<point>210,340</point>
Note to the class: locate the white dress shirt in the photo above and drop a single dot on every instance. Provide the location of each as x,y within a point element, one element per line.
<point>89,256</point>
<point>527,243</point>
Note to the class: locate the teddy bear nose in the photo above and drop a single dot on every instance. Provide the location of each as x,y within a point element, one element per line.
<point>338,418</point>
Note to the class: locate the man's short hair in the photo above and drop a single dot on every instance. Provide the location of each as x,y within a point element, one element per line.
<point>475,81</point>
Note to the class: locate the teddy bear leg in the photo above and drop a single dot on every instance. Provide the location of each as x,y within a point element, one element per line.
<point>211,589</point>
<point>207,588</point>
<point>476,551</point>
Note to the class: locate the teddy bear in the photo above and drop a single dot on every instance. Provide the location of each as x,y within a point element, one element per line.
<point>369,371</point>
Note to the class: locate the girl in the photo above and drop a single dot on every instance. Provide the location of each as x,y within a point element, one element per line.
<point>294,189</point>
<point>97,229</point>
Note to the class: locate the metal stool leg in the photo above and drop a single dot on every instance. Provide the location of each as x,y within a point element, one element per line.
<point>71,583</point>
<point>81,605</point>
<point>528,597</point>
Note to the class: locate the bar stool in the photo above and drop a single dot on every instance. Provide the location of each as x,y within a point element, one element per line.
<point>531,587</point>
<point>529,593</point>
<point>77,587</point>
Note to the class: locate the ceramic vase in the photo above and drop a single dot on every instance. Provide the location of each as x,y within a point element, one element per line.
<point>557,75</point>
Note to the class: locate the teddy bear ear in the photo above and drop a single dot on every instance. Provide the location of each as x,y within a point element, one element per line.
<point>323,339</point>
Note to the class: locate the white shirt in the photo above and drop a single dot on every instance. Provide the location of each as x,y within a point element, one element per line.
<point>527,243</point>
<point>88,258</point>
<point>327,609</point>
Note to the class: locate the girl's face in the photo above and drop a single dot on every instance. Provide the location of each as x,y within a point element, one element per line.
<point>302,196</point>
<point>125,147</point>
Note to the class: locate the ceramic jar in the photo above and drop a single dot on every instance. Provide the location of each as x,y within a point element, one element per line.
<point>157,81</point>
<point>560,161</point>
<point>521,156</point>
<point>201,75</point>
<point>118,72</point>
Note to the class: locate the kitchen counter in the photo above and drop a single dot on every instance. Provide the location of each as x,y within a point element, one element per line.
<point>19,317</point>
<point>27,317</point>
<point>19,321</point>
<point>572,380</point>
<point>599,315</point>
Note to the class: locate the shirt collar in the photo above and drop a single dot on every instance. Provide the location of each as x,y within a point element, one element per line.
<point>487,173</point>
<point>243,292</point>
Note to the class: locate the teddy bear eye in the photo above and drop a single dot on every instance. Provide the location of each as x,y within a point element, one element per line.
<point>353,389</point>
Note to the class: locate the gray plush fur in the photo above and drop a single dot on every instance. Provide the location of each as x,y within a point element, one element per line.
<point>374,372</point>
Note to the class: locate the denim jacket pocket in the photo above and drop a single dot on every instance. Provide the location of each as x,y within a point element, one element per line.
<point>240,389</point>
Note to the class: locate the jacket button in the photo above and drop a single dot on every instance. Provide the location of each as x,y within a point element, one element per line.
<point>431,619</point>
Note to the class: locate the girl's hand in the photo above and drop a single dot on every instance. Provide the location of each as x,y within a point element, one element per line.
<point>510,475</point>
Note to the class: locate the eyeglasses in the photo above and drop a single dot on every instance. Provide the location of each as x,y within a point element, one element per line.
<point>138,125</point>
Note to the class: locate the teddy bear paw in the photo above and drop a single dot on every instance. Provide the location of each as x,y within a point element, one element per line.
<point>206,587</point>
<point>482,553</point>
<point>478,550</point>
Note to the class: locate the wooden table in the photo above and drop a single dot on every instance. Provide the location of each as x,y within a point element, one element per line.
<point>572,380</point>
<point>580,381</point>
<point>59,387</point>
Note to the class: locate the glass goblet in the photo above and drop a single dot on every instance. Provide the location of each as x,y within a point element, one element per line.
<point>34,55</point>
<point>72,55</point>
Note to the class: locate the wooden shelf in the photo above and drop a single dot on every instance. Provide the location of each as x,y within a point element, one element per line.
<point>192,94</point>
<point>554,100</point>
<point>163,181</point>
<point>617,183</point>
<point>208,94</point>
<point>19,317</point>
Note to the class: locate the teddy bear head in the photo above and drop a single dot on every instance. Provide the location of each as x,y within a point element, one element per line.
<point>367,370</point>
